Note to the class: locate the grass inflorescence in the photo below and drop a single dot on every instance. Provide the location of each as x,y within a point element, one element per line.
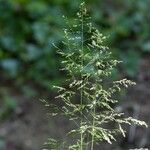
<point>87,101</point>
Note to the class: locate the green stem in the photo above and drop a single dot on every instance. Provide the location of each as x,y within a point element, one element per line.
<point>92,144</point>
<point>82,38</point>
<point>87,144</point>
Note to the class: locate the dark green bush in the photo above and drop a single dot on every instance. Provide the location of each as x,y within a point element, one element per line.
<point>28,27</point>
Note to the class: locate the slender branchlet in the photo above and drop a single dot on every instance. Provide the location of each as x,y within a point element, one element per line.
<point>88,99</point>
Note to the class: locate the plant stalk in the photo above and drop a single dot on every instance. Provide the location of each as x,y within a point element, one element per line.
<point>82,38</point>
<point>93,124</point>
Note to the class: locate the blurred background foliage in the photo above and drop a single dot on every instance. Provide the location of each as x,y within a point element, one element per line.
<point>29,27</point>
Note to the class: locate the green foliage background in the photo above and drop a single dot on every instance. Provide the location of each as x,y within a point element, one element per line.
<point>29,27</point>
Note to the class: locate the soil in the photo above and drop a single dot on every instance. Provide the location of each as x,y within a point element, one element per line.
<point>27,127</point>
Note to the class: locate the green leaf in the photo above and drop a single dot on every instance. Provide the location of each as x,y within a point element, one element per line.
<point>146,47</point>
<point>11,66</point>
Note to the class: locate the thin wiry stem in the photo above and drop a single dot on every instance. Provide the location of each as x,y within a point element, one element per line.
<point>82,41</point>
<point>92,144</point>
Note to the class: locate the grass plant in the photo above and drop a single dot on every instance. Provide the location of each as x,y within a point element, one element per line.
<point>89,97</point>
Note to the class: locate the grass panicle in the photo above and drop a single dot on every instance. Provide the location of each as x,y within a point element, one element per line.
<point>87,100</point>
